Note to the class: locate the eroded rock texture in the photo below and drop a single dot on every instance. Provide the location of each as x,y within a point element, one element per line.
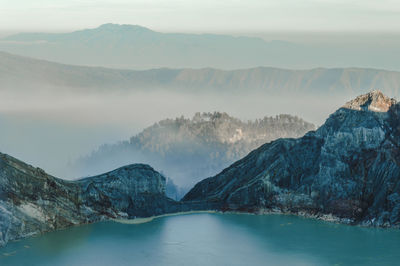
<point>349,167</point>
<point>32,201</point>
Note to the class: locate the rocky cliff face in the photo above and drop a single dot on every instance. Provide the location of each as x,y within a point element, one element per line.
<point>32,201</point>
<point>349,168</point>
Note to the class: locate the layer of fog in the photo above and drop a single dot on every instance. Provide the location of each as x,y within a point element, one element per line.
<point>49,130</point>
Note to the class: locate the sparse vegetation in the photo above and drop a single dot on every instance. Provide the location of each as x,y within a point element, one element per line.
<point>188,150</point>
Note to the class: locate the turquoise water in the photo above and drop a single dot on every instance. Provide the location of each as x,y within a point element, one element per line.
<point>209,239</point>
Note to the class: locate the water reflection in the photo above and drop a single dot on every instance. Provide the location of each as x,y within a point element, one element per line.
<point>210,239</point>
<point>332,244</point>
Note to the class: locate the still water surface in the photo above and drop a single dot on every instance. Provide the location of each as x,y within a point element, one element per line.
<point>209,239</point>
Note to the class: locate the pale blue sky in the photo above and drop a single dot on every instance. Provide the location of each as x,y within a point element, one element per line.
<point>203,15</point>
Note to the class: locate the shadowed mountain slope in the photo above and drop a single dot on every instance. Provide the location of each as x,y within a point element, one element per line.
<point>33,202</point>
<point>348,168</point>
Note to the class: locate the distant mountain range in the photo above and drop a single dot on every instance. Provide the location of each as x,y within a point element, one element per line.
<point>133,46</point>
<point>136,47</point>
<point>188,150</point>
<point>17,72</point>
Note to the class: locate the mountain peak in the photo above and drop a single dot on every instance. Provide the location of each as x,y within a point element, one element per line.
<point>374,101</point>
<point>116,27</point>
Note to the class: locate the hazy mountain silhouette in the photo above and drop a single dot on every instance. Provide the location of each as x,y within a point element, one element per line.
<point>18,72</point>
<point>188,150</point>
<point>136,47</point>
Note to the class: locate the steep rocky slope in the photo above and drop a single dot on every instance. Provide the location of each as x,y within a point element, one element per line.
<point>348,168</point>
<point>32,201</point>
<point>188,150</point>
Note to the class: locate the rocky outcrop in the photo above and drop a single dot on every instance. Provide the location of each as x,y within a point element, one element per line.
<point>32,201</point>
<point>349,169</point>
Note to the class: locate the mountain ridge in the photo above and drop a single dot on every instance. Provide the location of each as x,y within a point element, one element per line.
<point>348,170</point>
<point>20,71</point>
<point>137,47</point>
<point>118,28</point>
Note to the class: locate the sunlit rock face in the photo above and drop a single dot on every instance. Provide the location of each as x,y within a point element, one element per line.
<point>349,167</point>
<point>374,101</point>
<point>32,201</point>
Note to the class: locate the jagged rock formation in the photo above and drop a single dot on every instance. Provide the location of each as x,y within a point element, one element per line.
<point>188,150</point>
<point>32,201</point>
<point>349,168</point>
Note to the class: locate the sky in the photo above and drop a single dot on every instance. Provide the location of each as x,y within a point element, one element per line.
<point>203,15</point>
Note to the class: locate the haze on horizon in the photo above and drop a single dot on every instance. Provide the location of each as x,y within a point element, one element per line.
<point>189,15</point>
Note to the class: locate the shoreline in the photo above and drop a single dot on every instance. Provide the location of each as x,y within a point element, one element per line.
<point>322,217</point>
<point>329,218</point>
<point>142,220</point>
